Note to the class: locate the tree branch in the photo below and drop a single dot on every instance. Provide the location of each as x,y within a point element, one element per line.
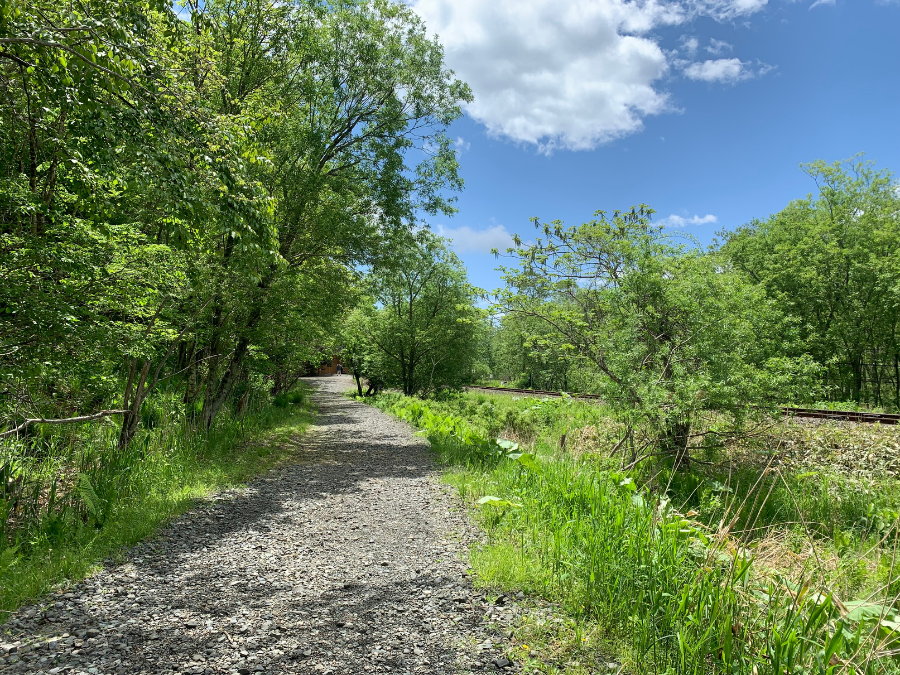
<point>66,420</point>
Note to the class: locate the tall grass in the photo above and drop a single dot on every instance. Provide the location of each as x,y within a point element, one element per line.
<point>672,594</point>
<point>69,497</point>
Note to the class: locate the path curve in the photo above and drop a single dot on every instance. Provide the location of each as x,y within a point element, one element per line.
<point>349,560</point>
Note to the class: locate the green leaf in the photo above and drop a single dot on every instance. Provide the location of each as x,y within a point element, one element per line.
<point>526,459</point>
<point>496,501</point>
<point>860,610</point>
<point>628,484</point>
<point>717,486</point>
<point>88,494</point>
<point>9,557</point>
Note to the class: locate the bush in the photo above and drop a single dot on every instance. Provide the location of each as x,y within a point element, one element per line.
<point>289,398</point>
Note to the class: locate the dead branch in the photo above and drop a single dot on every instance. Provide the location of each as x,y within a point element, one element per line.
<point>67,420</point>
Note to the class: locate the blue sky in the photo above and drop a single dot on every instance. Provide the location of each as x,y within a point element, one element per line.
<point>702,109</point>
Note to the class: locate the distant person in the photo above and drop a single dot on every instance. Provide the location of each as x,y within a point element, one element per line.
<point>340,369</point>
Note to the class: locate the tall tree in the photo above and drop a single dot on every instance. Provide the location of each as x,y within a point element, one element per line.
<point>833,262</point>
<point>175,194</point>
<point>667,331</point>
<point>99,189</point>
<point>343,95</point>
<point>421,335</point>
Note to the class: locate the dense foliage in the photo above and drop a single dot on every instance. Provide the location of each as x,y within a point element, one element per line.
<point>833,263</point>
<point>664,331</point>
<point>188,195</point>
<point>419,332</point>
<point>187,198</point>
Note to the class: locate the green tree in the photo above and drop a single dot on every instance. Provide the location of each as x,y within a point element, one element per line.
<point>422,334</point>
<point>176,195</point>
<point>833,262</point>
<point>668,331</point>
<point>360,354</point>
<point>101,195</point>
<point>340,97</point>
<point>517,361</point>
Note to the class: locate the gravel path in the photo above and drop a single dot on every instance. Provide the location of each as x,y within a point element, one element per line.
<point>350,560</point>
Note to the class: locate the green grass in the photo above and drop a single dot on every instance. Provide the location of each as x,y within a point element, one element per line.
<point>647,579</point>
<point>61,529</point>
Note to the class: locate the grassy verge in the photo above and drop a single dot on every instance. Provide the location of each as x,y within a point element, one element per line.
<point>79,500</point>
<point>780,572</point>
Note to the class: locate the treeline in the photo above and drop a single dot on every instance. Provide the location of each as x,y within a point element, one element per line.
<point>833,264</point>
<point>186,198</point>
<point>685,343</point>
<point>619,307</point>
<point>417,327</point>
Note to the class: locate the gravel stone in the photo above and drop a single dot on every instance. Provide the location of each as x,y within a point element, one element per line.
<point>350,559</point>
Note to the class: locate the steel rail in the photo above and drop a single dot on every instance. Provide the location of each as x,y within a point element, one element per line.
<point>806,413</point>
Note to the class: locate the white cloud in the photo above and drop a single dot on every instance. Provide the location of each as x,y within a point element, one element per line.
<point>690,44</point>
<point>680,221</point>
<point>564,75</point>
<point>467,240</point>
<point>724,70</point>
<point>727,10</point>
<point>718,70</point>
<point>820,3</point>
<point>461,145</point>
<point>717,47</point>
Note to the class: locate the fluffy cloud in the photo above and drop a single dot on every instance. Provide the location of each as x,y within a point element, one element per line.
<point>724,70</point>
<point>819,3</point>
<point>461,145</point>
<point>564,75</point>
<point>466,240</point>
<point>690,44</point>
<point>680,221</point>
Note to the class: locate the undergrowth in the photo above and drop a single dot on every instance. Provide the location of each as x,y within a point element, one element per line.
<point>70,498</point>
<point>721,569</point>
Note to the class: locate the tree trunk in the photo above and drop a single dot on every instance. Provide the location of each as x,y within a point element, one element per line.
<point>192,383</point>
<point>135,394</point>
<point>856,366</point>
<point>897,380</point>
<point>673,441</point>
<point>217,395</point>
<point>283,381</point>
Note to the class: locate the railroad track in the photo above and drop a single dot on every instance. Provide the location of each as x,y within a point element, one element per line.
<point>807,413</point>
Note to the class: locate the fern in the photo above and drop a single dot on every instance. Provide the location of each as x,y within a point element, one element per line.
<point>88,495</point>
<point>9,558</point>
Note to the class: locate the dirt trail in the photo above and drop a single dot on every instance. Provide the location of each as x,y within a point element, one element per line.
<point>350,560</point>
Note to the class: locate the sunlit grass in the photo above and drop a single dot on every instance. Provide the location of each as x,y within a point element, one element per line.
<point>772,572</point>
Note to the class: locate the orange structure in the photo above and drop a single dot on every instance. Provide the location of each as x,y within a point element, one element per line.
<point>330,367</point>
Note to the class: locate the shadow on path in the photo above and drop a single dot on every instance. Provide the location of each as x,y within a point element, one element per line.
<point>349,560</point>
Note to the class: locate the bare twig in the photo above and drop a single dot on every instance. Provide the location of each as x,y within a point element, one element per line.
<point>65,420</point>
